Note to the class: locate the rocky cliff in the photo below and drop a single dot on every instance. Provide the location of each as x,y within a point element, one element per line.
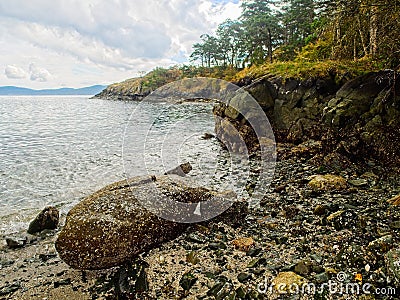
<point>359,119</point>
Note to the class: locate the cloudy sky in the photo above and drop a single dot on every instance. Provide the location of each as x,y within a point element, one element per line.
<point>75,43</point>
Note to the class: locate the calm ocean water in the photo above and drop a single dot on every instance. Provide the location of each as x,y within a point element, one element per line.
<point>57,150</point>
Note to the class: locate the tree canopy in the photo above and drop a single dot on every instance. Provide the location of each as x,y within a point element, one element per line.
<point>312,30</point>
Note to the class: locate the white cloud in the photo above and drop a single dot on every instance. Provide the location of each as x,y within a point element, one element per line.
<point>14,72</point>
<point>39,74</point>
<point>111,36</point>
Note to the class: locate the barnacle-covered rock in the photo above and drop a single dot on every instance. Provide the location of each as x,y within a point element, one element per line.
<point>123,219</point>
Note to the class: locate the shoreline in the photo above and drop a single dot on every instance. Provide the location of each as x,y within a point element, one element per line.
<point>296,230</point>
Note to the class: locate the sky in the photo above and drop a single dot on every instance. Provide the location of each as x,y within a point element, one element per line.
<point>76,43</point>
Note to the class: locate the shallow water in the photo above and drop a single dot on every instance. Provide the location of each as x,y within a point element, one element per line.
<point>57,150</point>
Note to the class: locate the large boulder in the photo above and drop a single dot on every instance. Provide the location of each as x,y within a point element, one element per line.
<point>112,226</point>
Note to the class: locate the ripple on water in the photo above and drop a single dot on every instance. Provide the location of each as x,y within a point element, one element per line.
<point>56,150</point>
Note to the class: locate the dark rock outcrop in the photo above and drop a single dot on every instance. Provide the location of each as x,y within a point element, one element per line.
<point>47,219</point>
<point>365,118</point>
<point>359,119</point>
<point>112,226</point>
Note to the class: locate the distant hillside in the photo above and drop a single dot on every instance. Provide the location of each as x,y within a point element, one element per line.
<point>18,91</point>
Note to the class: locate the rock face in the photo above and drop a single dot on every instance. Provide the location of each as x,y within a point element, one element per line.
<point>358,119</point>
<point>47,219</point>
<point>294,107</point>
<point>364,116</point>
<point>111,226</point>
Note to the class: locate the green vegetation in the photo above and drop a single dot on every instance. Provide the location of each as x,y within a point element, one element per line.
<point>307,69</point>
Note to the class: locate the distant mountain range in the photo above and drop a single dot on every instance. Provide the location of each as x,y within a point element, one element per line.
<point>18,91</point>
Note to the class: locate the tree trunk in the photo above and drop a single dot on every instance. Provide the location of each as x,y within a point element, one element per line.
<point>373,31</point>
<point>337,39</point>
<point>269,45</point>
<point>364,46</point>
<point>355,49</point>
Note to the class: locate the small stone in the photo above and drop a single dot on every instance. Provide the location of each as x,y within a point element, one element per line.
<point>62,282</point>
<point>242,277</point>
<point>395,200</point>
<point>344,219</point>
<point>286,268</point>
<point>213,291</point>
<point>240,292</point>
<point>207,136</point>
<point>192,258</point>
<point>317,269</point>
<point>303,268</point>
<point>181,170</point>
<point>216,246</point>
<point>256,262</point>
<point>367,267</point>
<point>253,294</point>
<point>270,225</point>
<point>331,271</point>
<point>319,210</point>
<point>280,188</point>
<point>284,280</point>
<point>335,215</point>
<point>161,259</point>
<point>382,244</point>
<point>47,219</point>
<point>16,242</point>
<point>46,257</point>
<point>321,278</point>
<point>316,257</point>
<point>258,271</point>
<point>253,252</point>
<point>195,238</point>
<point>370,175</point>
<point>187,281</point>
<point>243,244</point>
<point>327,182</point>
<point>358,182</point>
